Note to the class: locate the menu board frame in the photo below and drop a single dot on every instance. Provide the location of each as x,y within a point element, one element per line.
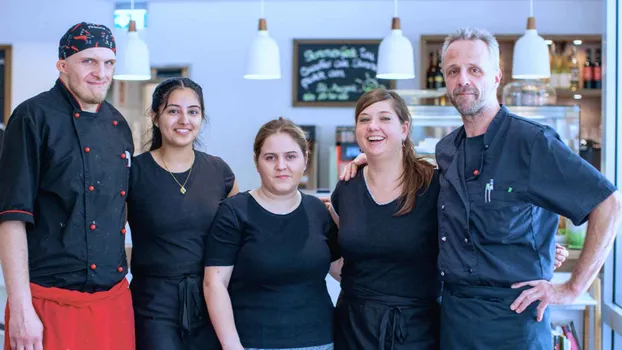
<point>296,102</point>
<point>5,75</point>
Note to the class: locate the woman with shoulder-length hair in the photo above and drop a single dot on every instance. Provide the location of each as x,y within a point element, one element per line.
<point>387,236</point>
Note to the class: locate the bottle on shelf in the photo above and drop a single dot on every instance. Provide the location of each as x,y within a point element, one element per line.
<point>555,67</point>
<point>431,72</point>
<point>588,70</point>
<point>574,70</point>
<point>565,73</point>
<point>597,77</point>
<point>439,80</point>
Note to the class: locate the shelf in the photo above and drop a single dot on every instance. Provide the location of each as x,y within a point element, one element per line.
<point>434,43</point>
<point>581,303</point>
<point>567,93</point>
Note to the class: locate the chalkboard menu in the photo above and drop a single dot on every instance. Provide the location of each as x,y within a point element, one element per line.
<point>5,83</point>
<point>334,73</point>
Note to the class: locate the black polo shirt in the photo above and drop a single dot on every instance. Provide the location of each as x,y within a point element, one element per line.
<point>65,173</point>
<point>497,221</point>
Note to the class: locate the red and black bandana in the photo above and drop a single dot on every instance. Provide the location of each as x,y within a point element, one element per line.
<point>84,36</point>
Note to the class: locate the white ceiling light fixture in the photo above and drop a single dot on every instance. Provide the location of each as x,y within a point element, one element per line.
<point>134,63</point>
<point>395,54</point>
<point>264,60</point>
<point>531,53</point>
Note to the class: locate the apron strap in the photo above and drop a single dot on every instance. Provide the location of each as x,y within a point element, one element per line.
<point>189,303</point>
<point>393,320</point>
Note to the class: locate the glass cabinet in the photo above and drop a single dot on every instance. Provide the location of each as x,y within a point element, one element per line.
<point>431,123</point>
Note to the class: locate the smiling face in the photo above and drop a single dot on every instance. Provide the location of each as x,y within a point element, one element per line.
<point>88,75</point>
<point>280,163</point>
<point>472,79</point>
<point>180,119</point>
<point>379,130</point>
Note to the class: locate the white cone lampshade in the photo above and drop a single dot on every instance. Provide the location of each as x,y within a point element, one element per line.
<point>395,55</point>
<point>531,55</point>
<point>263,61</point>
<point>134,63</point>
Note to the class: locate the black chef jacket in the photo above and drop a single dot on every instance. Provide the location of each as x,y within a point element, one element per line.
<point>65,173</point>
<point>507,234</point>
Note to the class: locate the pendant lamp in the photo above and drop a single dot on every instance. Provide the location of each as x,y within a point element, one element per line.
<point>395,54</point>
<point>263,61</point>
<point>134,63</point>
<point>531,53</point>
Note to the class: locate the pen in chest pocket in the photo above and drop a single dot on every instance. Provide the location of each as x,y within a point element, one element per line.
<point>488,191</point>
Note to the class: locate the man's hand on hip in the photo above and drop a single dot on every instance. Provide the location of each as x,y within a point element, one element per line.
<point>544,291</point>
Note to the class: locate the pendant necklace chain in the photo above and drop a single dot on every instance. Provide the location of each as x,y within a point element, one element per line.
<point>182,188</point>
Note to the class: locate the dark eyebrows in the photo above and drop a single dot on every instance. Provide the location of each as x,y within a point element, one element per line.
<point>178,106</point>
<point>274,154</point>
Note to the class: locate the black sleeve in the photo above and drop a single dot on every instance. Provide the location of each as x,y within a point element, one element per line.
<point>1,138</point>
<point>228,175</point>
<point>225,238</point>
<point>133,177</point>
<point>20,163</point>
<point>333,243</point>
<point>334,197</point>
<point>562,182</point>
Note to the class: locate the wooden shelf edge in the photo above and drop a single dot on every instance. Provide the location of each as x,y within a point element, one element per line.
<point>582,92</point>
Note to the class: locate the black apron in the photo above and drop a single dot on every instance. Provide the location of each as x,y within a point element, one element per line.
<point>170,310</point>
<point>369,320</point>
<point>479,317</point>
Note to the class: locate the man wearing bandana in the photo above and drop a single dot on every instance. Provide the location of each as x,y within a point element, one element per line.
<point>65,160</point>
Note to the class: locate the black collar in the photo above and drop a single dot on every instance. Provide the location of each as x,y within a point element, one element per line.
<point>491,131</point>
<point>70,98</point>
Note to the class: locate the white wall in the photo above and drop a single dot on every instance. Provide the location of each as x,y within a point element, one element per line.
<point>212,37</point>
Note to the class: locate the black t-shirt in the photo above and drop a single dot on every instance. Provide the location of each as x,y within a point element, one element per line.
<point>169,228</point>
<point>278,286</point>
<point>393,255</point>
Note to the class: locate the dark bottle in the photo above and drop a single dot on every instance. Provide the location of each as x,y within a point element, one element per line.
<point>597,77</point>
<point>431,72</point>
<point>439,80</point>
<point>588,70</point>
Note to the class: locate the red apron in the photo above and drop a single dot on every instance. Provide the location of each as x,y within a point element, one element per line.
<point>74,320</point>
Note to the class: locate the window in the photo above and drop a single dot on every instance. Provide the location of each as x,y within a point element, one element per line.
<point>123,13</point>
<point>612,129</point>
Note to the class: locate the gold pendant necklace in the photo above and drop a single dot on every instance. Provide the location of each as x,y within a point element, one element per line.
<point>182,188</point>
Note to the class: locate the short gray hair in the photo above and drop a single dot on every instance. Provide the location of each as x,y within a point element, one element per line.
<point>474,34</point>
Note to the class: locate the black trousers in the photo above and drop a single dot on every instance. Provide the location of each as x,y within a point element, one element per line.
<point>476,317</point>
